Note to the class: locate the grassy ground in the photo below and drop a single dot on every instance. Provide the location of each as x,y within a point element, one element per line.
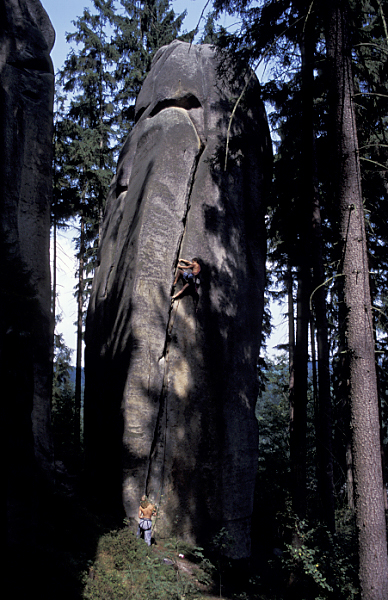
<point>76,555</point>
<point>125,567</point>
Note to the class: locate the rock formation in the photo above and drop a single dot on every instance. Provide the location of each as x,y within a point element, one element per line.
<point>171,390</point>
<point>26,101</point>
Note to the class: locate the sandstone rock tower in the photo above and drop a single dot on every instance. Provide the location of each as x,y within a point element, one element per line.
<point>26,328</point>
<point>171,390</point>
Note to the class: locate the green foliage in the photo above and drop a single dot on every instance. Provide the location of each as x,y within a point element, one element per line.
<point>273,476</point>
<point>85,125</point>
<point>322,564</point>
<point>222,542</point>
<point>127,568</point>
<point>63,404</point>
<point>314,563</point>
<point>141,28</point>
<point>212,32</point>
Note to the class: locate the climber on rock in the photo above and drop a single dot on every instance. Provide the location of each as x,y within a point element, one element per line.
<point>188,271</point>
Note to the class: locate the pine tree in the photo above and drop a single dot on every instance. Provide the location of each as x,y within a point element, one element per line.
<point>371,105</point>
<point>141,28</point>
<point>273,29</point>
<point>87,76</point>
<point>65,204</point>
<point>370,515</point>
<point>63,408</point>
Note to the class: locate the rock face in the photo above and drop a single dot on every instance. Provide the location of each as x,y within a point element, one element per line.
<point>171,390</point>
<point>26,101</point>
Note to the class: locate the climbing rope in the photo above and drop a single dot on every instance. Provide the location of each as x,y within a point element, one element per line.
<point>170,326</point>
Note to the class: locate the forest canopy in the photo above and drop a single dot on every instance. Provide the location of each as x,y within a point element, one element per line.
<point>324,399</point>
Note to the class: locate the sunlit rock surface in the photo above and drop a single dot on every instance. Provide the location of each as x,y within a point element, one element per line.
<point>171,391</point>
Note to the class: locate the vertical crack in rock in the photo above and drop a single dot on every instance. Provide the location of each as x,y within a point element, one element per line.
<point>184,221</point>
<point>160,431</point>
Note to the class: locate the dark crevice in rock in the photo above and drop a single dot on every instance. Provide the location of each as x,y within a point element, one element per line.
<point>34,64</point>
<point>120,189</point>
<point>187,102</point>
<point>31,94</point>
<point>105,294</point>
<point>184,220</point>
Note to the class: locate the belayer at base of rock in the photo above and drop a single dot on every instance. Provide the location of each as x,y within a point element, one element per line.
<point>170,393</point>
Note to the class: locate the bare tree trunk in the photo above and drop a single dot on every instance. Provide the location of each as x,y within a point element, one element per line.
<point>349,476</point>
<point>54,288</point>
<point>291,330</point>
<point>368,478</point>
<point>342,433</point>
<point>298,399</point>
<point>78,368</point>
<point>314,369</point>
<point>324,411</point>
<point>53,305</point>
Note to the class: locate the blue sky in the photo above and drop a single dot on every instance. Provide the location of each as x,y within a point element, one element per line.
<point>62,13</point>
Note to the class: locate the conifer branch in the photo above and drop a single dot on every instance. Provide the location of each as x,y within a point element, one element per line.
<point>321,285</point>
<point>380,311</point>
<point>373,145</point>
<point>383,20</point>
<point>253,69</point>
<point>384,167</point>
<point>370,94</point>
<point>382,48</point>
<point>199,20</point>
<point>307,16</point>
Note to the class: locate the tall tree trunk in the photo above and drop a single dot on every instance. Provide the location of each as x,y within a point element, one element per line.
<point>349,474</point>
<point>298,395</point>
<point>324,434</point>
<point>291,330</point>
<point>342,438</point>
<point>298,398</point>
<point>324,412</point>
<point>314,368</point>
<point>370,515</point>
<point>78,368</point>
<point>53,304</point>
<point>54,269</point>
